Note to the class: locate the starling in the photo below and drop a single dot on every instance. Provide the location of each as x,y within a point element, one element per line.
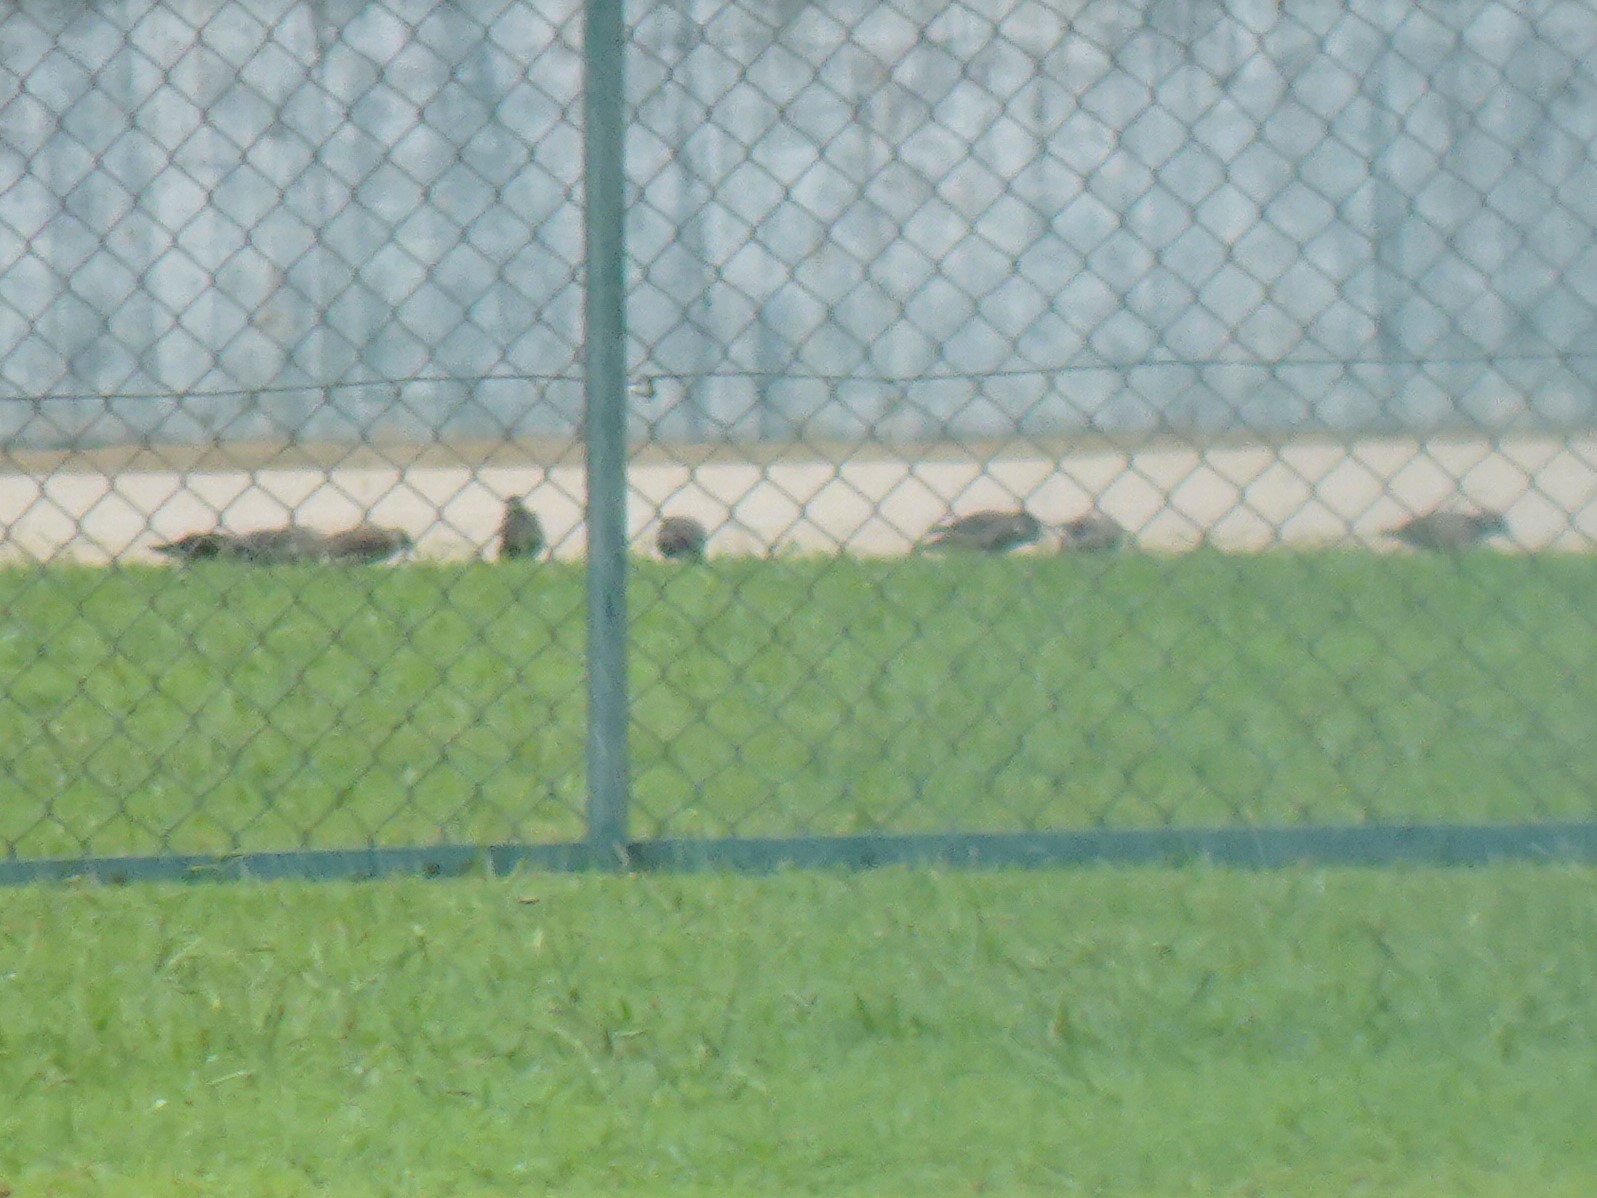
<point>365,544</point>
<point>520,532</point>
<point>681,537</point>
<point>198,546</point>
<point>1093,533</point>
<point>985,532</point>
<point>1451,531</point>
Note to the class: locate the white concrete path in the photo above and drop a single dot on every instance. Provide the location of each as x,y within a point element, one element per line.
<point>1242,498</point>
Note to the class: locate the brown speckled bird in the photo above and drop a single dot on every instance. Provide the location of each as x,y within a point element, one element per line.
<point>365,544</point>
<point>266,546</point>
<point>985,532</point>
<point>681,538</point>
<point>1093,533</point>
<point>520,532</point>
<point>289,546</point>
<point>1450,531</point>
<point>279,546</point>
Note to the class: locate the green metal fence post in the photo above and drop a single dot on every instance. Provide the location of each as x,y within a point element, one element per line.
<point>605,428</point>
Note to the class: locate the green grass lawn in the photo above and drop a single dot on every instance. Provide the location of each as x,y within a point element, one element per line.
<point>1145,1033</point>
<point>223,707</point>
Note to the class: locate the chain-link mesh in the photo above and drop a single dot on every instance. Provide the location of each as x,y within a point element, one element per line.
<point>1065,431</point>
<point>1030,405</point>
<point>1202,307</point>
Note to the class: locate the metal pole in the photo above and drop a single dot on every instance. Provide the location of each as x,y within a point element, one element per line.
<point>605,384</point>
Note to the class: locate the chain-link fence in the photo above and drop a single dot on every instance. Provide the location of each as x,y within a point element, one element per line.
<point>1054,432</point>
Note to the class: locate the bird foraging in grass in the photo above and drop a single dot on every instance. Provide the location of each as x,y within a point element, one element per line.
<point>681,538</point>
<point>1450,531</point>
<point>198,546</point>
<point>366,543</point>
<point>985,532</point>
<point>266,546</point>
<point>279,546</point>
<point>1092,533</point>
<point>289,546</point>
<point>520,532</point>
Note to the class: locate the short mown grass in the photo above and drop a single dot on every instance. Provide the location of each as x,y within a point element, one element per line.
<point>1137,1033</point>
<point>226,708</point>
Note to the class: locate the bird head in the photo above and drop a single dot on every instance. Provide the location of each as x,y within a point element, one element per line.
<point>1491,523</point>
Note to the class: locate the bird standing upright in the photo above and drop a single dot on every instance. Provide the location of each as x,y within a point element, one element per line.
<point>985,532</point>
<point>681,538</point>
<point>520,532</point>
<point>1450,531</point>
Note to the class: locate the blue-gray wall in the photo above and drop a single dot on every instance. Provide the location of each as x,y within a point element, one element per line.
<point>323,217</point>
